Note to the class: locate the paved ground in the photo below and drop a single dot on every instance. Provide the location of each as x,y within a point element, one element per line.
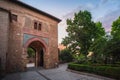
<point>61,74</point>
<point>52,74</point>
<point>30,75</point>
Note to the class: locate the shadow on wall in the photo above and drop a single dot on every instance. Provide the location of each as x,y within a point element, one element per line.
<point>1,70</point>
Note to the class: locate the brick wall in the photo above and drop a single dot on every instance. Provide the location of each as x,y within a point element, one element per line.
<point>4,25</point>
<point>16,55</point>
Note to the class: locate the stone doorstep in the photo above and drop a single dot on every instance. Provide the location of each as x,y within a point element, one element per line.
<point>30,65</point>
<point>90,74</point>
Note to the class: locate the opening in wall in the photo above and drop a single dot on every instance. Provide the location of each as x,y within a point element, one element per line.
<point>39,26</point>
<point>35,25</point>
<point>13,17</point>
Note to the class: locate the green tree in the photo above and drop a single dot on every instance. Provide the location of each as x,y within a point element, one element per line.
<point>98,49</point>
<point>82,32</point>
<point>100,31</point>
<point>31,52</point>
<point>116,29</point>
<point>112,48</point>
<point>99,43</point>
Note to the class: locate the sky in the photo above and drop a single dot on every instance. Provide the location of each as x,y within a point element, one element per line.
<point>105,11</point>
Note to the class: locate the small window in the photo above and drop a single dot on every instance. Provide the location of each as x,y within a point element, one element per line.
<point>14,17</point>
<point>35,25</point>
<point>39,26</point>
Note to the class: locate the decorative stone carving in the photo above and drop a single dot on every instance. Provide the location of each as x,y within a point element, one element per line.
<point>28,36</point>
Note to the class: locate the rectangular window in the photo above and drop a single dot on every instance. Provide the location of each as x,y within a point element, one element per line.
<point>13,17</point>
<point>39,27</point>
<point>35,25</point>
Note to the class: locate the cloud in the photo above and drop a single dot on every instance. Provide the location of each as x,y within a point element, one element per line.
<point>62,30</point>
<point>101,3</point>
<point>104,1</point>
<point>119,6</point>
<point>108,19</point>
<point>88,7</point>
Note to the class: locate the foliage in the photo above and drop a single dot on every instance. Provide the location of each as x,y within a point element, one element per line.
<point>116,29</point>
<point>112,50</point>
<point>82,31</point>
<point>79,58</point>
<point>85,36</point>
<point>98,44</point>
<point>79,32</point>
<point>65,56</point>
<point>114,44</point>
<point>100,31</point>
<point>31,52</point>
<point>89,36</point>
<point>98,49</point>
<point>113,72</point>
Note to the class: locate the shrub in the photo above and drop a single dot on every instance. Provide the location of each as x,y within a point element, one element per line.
<point>118,63</point>
<point>65,56</point>
<point>31,52</point>
<point>113,72</point>
<point>80,59</point>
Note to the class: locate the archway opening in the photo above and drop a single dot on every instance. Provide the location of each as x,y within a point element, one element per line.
<point>35,52</point>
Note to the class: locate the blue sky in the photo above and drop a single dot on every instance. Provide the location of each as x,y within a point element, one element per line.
<point>105,11</point>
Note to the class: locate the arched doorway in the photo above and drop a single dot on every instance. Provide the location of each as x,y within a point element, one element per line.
<point>41,52</point>
<point>35,52</point>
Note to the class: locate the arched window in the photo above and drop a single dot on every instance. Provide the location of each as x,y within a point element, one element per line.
<point>39,27</point>
<point>35,25</point>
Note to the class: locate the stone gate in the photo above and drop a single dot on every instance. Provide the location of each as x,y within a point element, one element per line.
<point>23,26</point>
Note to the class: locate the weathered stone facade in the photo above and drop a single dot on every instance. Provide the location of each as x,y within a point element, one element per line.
<point>17,32</point>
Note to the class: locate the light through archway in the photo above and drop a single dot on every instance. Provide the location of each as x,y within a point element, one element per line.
<point>35,54</point>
